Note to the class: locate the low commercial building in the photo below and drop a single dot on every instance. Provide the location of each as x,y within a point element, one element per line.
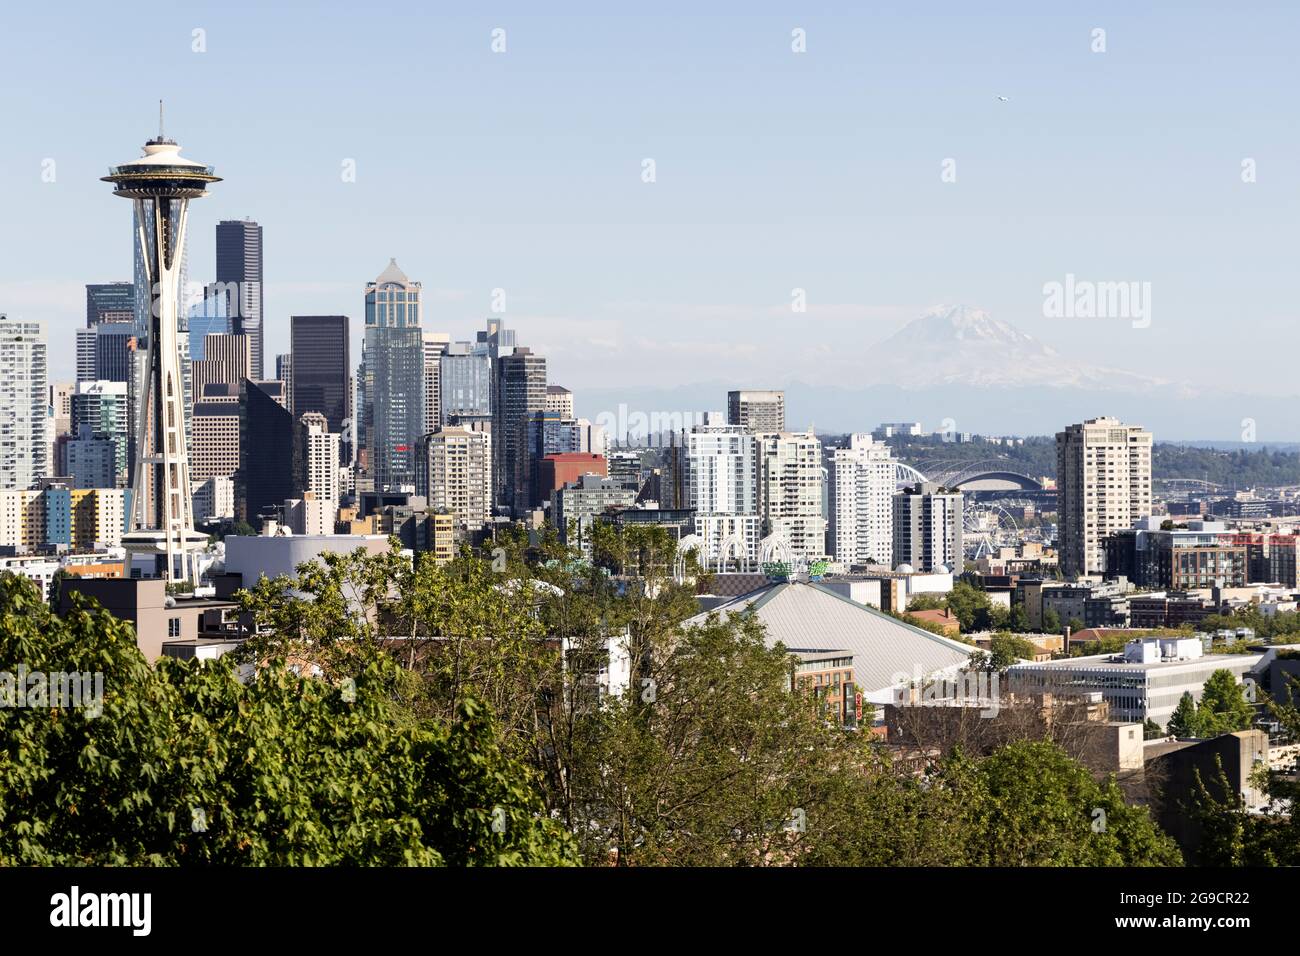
<point>1180,558</point>
<point>1144,682</point>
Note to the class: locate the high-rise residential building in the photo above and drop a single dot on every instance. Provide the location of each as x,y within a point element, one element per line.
<point>100,413</point>
<point>239,282</point>
<point>393,379</point>
<point>757,411</point>
<point>435,343</point>
<point>162,536</point>
<point>860,502</point>
<point>318,465</point>
<point>24,403</point>
<point>789,473</point>
<point>928,528</point>
<point>228,361</point>
<point>521,387</point>
<point>321,369</point>
<point>465,371</point>
<point>722,490</point>
<point>91,461</point>
<point>559,400</point>
<point>456,475</point>
<point>1103,482</point>
<point>110,302</point>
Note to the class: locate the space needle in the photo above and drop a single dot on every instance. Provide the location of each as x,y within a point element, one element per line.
<point>161,527</point>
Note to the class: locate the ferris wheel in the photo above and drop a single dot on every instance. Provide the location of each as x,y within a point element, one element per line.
<point>987,526</point>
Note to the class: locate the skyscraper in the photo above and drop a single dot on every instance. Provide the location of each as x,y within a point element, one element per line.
<point>320,366</point>
<point>110,302</point>
<point>393,379</point>
<point>24,408</point>
<point>160,184</point>
<point>928,528</point>
<point>757,411</point>
<point>239,281</point>
<point>1103,482</point>
<point>435,343</point>
<point>465,373</point>
<point>227,360</point>
<point>521,386</point>
<point>115,344</point>
<point>860,498</point>
<point>317,465</point>
<point>265,479</point>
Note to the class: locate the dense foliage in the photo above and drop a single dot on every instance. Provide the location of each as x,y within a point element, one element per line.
<point>455,714</point>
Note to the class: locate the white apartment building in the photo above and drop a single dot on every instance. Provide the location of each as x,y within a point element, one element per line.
<point>320,476</point>
<point>1103,481</point>
<point>456,475</point>
<point>790,482</point>
<point>722,489</point>
<point>861,486</point>
<point>24,403</point>
<point>928,528</point>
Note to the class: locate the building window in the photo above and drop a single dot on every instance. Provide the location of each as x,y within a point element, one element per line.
<point>173,627</point>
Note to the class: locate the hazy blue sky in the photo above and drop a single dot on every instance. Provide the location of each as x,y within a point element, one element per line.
<point>775,170</point>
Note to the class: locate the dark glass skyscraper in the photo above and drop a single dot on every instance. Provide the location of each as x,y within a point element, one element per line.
<point>239,281</point>
<point>521,386</point>
<point>110,302</point>
<point>266,452</point>
<point>320,365</point>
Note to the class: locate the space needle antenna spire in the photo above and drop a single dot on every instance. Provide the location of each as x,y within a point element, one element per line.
<point>161,134</point>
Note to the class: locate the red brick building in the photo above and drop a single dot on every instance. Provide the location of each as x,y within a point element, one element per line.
<point>556,471</point>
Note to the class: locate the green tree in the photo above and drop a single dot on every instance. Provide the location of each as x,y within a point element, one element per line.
<point>1186,719</point>
<point>1004,650</point>
<point>1051,621</point>
<point>1037,807</point>
<point>1018,620</point>
<point>184,763</point>
<point>1224,707</point>
<point>1151,730</point>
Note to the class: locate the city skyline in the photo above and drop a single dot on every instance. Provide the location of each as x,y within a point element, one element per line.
<point>622,282</point>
